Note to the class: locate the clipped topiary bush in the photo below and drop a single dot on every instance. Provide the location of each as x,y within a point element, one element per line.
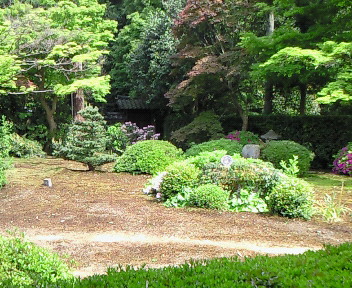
<point>204,158</point>
<point>292,198</point>
<point>231,147</point>
<point>284,150</point>
<point>178,176</point>
<point>203,128</point>
<point>23,264</point>
<point>149,156</point>
<point>210,196</point>
<point>24,148</point>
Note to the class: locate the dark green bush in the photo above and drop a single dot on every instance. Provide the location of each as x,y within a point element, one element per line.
<point>23,264</point>
<point>277,151</point>
<point>179,176</point>
<point>230,146</point>
<point>330,267</point>
<point>323,134</point>
<point>291,198</point>
<point>203,128</point>
<point>210,196</point>
<point>24,148</point>
<point>149,156</point>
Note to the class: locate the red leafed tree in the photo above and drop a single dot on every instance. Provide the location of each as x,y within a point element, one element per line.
<point>211,66</point>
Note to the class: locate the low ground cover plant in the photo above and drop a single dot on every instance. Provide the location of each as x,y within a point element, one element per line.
<point>330,267</point>
<point>149,156</point>
<point>23,264</point>
<point>22,147</point>
<point>284,150</point>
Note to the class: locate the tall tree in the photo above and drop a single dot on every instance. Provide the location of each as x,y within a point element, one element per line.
<point>49,42</point>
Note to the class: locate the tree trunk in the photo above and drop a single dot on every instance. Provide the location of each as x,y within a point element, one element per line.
<point>78,99</point>
<point>302,104</point>
<point>268,98</point>
<point>78,105</point>
<point>49,113</point>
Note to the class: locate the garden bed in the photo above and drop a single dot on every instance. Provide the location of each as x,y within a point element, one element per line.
<point>102,219</point>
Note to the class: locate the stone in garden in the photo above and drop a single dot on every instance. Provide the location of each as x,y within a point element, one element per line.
<point>251,151</point>
<point>47,182</point>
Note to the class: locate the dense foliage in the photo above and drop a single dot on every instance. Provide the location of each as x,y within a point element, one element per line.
<point>23,264</point>
<point>206,126</point>
<point>150,156</point>
<point>283,150</point>
<point>329,267</point>
<point>25,148</point>
<point>5,147</point>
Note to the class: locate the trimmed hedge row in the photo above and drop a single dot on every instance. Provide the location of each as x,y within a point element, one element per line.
<point>324,135</point>
<point>331,267</point>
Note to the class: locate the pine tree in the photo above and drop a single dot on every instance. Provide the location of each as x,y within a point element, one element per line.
<point>86,140</point>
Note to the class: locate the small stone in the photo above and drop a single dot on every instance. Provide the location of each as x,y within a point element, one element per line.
<point>47,182</point>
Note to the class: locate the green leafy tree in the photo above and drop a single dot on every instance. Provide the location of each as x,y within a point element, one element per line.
<point>86,140</point>
<point>59,48</point>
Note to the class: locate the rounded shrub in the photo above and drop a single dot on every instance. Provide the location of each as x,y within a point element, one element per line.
<point>210,196</point>
<point>231,147</point>
<point>149,156</point>
<point>284,150</point>
<point>23,264</point>
<point>179,175</point>
<point>292,198</point>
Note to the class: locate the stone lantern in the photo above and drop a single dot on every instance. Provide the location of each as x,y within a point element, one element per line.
<point>270,135</point>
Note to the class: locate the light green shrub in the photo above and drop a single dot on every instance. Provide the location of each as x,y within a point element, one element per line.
<point>206,126</point>
<point>231,147</point>
<point>24,148</point>
<point>23,264</point>
<point>244,173</point>
<point>292,198</point>
<point>204,158</point>
<point>210,196</point>
<point>284,150</point>
<point>149,156</point>
<point>117,140</point>
<point>179,176</point>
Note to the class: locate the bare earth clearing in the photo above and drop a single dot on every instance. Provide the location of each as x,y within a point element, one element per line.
<point>102,219</point>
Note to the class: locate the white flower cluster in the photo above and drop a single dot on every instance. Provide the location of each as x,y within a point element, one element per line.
<point>154,185</point>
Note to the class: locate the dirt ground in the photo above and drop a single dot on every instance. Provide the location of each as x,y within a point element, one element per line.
<point>101,219</point>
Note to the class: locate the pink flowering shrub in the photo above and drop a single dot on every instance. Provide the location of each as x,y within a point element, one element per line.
<point>243,137</point>
<point>343,161</point>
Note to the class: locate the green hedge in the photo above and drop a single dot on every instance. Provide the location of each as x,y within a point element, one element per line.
<point>331,267</point>
<point>324,135</point>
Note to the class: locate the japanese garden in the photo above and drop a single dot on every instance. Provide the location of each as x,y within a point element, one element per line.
<point>175,143</point>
